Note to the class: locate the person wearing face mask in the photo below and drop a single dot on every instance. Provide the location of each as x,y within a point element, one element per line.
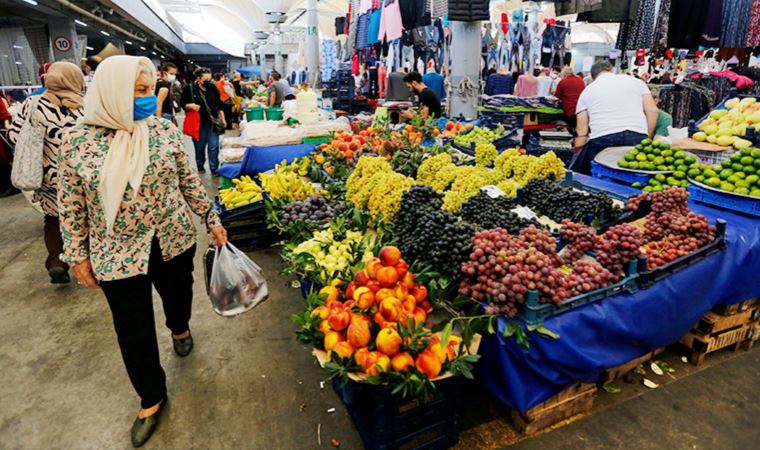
<point>166,77</point>
<point>57,109</point>
<point>126,191</point>
<point>201,95</point>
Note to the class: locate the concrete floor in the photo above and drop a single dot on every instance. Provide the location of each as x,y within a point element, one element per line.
<point>250,385</point>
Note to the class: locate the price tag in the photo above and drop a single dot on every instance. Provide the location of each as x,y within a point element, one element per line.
<point>525,213</point>
<point>493,191</point>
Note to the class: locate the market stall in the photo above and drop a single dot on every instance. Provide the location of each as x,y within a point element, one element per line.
<point>623,327</point>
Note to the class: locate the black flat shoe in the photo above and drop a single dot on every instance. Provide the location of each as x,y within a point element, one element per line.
<point>142,429</point>
<point>59,275</point>
<point>183,347</point>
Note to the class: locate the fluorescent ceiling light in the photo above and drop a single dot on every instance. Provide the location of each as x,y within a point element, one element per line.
<point>104,33</point>
<point>89,48</point>
<point>80,23</point>
<point>153,53</point>
<point>19,63</point>
<point>31,2</point>
<point>17,46</point>
<point>142,48</point>
<point>128,42</point>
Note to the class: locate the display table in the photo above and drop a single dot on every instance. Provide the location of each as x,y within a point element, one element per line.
<point>617,329</point>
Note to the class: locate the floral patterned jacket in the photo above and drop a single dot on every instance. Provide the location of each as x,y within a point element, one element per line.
<point>169,190</point>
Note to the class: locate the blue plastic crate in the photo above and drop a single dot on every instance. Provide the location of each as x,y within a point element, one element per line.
<point>620,176</point>
<point>387,421</point>
<point>571,182</point>
<point>533,313</point>
<point>725,201</point>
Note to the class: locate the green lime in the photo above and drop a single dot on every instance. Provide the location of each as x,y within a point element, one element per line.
<point>636,185</point>
<point>747,160</point>
<point>727,187</point>
<point>741,190</point>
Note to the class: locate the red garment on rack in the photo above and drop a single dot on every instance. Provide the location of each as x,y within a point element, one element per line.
<point>382,81</point>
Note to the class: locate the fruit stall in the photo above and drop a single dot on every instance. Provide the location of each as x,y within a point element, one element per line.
<point>433,252</point>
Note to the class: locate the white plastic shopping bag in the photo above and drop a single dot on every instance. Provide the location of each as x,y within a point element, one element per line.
<point>237,284</point>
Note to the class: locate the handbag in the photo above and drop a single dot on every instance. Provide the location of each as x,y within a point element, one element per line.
<point>216,123</point>
<point>27,170</point>
<point>192,125</point>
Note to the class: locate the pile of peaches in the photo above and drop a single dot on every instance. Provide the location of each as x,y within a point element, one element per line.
<point>376,320</point>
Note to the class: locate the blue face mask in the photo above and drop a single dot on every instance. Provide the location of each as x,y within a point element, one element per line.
<point>144,107</point>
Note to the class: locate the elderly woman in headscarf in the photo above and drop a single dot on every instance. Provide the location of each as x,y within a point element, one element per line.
<point>126,193</point>
<point>56,109</point>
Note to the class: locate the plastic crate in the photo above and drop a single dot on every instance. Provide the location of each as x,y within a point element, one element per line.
<point>725,201</point>
<point>712,158</point>
<point>387,421</point>
<point>252,114</point>
<point>569,181</point>
<point>257,209</point>
<point>274,113</point>
<point>620,176</point>
<point>648,277</point>
<point>492,119</point>
<point>534,313</point>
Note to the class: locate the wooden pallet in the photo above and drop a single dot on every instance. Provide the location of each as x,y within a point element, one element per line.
<point>729,310</point>
<point>713,322</point>
<point>576,399</point>
<point>700,345</point>
<point>753,335</point>
<point>612,374</point>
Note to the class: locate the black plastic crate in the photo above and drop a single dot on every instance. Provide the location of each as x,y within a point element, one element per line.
<point>387,421</point>
<point>648,277</point>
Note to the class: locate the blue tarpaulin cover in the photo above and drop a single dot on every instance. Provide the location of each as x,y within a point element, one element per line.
<point>623,327</point>
<point>261,159</point>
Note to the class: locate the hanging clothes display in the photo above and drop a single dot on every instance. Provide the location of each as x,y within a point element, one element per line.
<point>753,29</point>
<point>390,21</point>
<point>576,6</point>
<point>660,38</point>
<point>469,10</point>
<point>713,22</point>
<point>736,15</point>
<point>611,11</point>
<point>414,13</point>
<point>687,21</point>
<point>374,27</point>
<point>641,29</point>
<point>526,86</point>
<point>686,101</point>
<point>438,8</point>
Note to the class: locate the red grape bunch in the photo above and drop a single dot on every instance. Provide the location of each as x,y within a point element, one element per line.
<point>672,199</point>
<point>617,246</point>
<point>578,240</point>
<point>587,276</point>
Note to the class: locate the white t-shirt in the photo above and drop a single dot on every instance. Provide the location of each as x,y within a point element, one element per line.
<point>544,86</point>
<point>614,104</point>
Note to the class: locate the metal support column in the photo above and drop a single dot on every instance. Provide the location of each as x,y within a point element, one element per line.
<point>465,69</point>
<point>312,40</point>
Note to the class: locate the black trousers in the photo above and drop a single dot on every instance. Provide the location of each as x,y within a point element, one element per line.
<point>131,303</point>
<point>53,243</point>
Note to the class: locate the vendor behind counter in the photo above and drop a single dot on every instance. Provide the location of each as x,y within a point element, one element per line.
<point>430,102</point>
<point>615,110</point>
